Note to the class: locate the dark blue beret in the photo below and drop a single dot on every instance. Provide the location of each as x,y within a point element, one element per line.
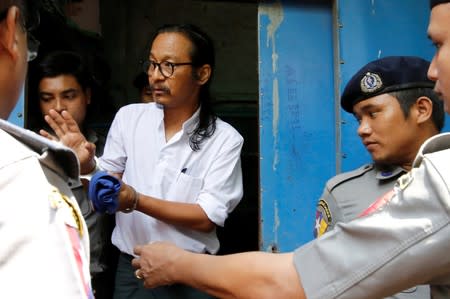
<point>385,75</point>
<point>433,3</point>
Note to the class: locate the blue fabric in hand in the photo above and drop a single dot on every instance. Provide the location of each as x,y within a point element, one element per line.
<point>104,192</point>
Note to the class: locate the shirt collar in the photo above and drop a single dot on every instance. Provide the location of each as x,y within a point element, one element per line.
<point>385,172</point>
<point>190,124</point>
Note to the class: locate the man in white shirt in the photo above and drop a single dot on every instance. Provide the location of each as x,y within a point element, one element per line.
<point>182,160</point>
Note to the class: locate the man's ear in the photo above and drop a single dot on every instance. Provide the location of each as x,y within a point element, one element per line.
<point>203,74</point>
<point>8,34</point>
<point>424,109</point>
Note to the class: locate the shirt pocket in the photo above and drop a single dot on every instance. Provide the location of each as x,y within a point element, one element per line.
<point>185,188</point>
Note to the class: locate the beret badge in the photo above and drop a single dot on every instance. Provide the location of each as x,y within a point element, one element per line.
<point>371,82</point>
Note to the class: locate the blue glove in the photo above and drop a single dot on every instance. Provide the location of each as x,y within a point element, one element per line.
<point>104,192</point>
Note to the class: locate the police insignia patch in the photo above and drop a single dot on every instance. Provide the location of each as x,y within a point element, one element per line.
<point>323,218</point>
<point>371,82</point>
<point>404,180</point>
<point>61,201</point>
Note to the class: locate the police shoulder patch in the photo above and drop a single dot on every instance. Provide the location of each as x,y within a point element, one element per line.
<point>323,218</point>
<point>72,215</point>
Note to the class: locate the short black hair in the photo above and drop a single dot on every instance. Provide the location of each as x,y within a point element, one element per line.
<point>59,63</point>
<point>407,97</point>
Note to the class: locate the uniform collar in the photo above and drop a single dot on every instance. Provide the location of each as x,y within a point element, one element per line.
<point>384,172</point>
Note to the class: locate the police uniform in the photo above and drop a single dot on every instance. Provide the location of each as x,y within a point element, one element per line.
<point>347,195</point>
<point>403,239</point>
<point>44,250</point>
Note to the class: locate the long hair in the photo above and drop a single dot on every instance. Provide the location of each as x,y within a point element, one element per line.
<point>202,53</point>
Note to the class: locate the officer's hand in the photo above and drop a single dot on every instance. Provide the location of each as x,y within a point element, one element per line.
<point>69,134</point>
<point>155,263</point>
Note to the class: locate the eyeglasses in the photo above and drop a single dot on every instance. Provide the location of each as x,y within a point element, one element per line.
<point>166,68</point>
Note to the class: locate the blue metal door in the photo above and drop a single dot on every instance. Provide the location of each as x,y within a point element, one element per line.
<point>297,145</point>
<point>308,50</point>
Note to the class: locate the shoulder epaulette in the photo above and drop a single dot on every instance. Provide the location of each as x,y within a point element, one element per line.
<point>434,144</point>
<point>343,177</point>
<point>55,155</point>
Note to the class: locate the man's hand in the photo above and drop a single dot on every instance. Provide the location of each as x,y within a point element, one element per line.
<point>128,197</point>
<point>69,134</point>
<point>154,264</point>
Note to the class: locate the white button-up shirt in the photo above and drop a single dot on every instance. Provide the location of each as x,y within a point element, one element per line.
<point>210,177</point>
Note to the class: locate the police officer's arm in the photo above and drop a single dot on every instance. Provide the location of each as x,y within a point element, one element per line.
<point>245,275</point>
<point>68,133</point>
<point>327,214</point>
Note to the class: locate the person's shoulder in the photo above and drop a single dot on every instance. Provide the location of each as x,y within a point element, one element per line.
<point>12,149</point>
<point>225,129</point>
<point>436,151</point>
<point>348,176</point>
<point>433,145</point>
<point>27,143</point>
<point>135,107</point>
<point>135,110</point>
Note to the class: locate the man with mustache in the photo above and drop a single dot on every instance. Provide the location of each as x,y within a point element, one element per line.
<point>401,241</point>
<point>397,110</point>
<point>180,164</point>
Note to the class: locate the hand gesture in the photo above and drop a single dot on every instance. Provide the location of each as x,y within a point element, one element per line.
<point>69,134</point>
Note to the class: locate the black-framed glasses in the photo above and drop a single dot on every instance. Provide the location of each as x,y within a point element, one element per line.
<point>166,68</point>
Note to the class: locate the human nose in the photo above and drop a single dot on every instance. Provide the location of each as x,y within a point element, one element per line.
<point>364,128</point>
<point>59,105</point>
<point>155,73</point>
<point>432,70</point>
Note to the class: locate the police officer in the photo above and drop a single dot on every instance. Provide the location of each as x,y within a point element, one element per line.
<point>397,110</point>
<point>44,250</point>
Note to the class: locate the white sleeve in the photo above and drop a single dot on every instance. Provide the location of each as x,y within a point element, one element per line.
<point>223,189</point>
<point>114,154</point>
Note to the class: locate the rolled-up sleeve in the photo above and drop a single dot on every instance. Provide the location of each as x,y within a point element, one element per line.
<point>223,189</point>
